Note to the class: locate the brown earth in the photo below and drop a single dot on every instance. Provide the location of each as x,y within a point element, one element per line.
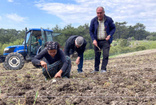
<point>130,80</point>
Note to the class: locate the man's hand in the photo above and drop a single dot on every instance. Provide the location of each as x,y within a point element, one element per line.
<point>58,74</point>
<point>43,64</point>
<point>108,37</point>
<point>95,43</point>
<point>77,60</point>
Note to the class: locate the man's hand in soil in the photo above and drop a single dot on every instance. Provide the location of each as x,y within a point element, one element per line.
<point>78,60</point>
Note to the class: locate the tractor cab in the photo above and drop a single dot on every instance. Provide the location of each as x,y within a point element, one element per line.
<point>35,41</point>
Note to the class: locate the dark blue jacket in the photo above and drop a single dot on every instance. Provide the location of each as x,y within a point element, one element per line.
<point>109,26</point>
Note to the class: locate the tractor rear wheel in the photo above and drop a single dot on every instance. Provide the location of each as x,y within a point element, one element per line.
<point>14,61</point>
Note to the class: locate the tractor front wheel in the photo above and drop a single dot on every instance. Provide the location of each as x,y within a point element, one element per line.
<point>14,61</point>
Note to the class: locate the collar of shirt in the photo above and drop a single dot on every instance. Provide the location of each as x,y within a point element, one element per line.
<point>101,21</point>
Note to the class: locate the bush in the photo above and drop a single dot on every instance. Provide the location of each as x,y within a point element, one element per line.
<point>119,50</point>
<point>89,54</point>
<point>126,50</point>
<point>124,43</point>
<point>114,50</point>
<point>139,48</point>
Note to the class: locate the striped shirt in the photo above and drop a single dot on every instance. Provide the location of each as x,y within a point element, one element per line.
<point>101,35</point>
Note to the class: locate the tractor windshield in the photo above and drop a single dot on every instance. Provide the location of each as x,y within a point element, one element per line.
<point>49,36</point>
<point>27,38</point>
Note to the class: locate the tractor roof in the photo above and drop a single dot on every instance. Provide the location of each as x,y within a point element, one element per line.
<point>38,29</point>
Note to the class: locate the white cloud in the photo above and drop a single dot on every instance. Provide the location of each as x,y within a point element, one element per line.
<point>69,13</point>
<point>10,0</point>
<point>15,17</point>
<point>83,11</point>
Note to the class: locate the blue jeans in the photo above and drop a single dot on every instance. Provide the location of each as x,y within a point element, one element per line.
<point>80,65</point>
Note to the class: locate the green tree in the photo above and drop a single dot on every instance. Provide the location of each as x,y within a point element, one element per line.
<point>121,30</point>
<point>140,32</point>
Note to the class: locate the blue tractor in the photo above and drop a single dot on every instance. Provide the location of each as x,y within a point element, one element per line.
<point>15,56</point>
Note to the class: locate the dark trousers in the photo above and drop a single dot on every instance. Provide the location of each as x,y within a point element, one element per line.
<point>105,47</point>
<point>55,67</point>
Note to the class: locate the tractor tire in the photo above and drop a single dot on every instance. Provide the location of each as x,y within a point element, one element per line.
<point>14,61</point>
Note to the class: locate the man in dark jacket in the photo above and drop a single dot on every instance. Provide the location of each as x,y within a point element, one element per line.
<point>101,31</point>
<point>78,44</point>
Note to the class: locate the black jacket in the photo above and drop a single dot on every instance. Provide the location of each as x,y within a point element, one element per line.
<point>44,53</point>
<point>70,46</point>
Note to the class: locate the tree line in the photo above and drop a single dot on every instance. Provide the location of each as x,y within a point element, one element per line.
<point>123,31</point>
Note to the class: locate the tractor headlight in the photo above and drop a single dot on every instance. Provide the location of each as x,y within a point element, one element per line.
<point>6,49</point>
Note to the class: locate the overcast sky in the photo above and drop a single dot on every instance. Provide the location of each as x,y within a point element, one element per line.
<point>18,14</point>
